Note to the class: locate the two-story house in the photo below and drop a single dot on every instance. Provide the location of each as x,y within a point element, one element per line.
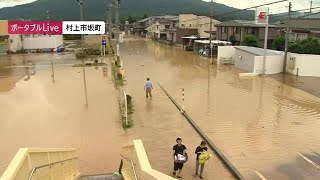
<point>301,28</point>
<point>235,31</point>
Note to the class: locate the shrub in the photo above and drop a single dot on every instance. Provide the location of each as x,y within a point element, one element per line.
<point>250,40</point>
<point>81,54</point>
<point>279,43</point>
<point>307,46</point>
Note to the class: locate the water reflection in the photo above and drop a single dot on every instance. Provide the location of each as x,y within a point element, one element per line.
<point>52,72</point>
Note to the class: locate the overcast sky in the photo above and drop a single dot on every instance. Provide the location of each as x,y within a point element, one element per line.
<point>280,7</point>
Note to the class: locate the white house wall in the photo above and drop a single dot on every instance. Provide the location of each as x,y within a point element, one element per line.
<point>225,52</point>
<point>42,42</point>
<point>204,25</point>
<point>305,65</point>
<point>274,64</point>
<point>14,43</point>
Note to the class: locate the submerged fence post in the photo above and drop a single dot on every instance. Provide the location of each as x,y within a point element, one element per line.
<point>125,107</point>
<point>182,109</point>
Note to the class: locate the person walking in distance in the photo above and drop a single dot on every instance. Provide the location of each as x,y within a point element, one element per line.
<point>148,87</point>
<point>198,152</point>
<point>179,157</point>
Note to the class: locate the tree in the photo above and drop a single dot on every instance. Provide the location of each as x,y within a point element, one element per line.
<point>145,16</point>
<point>307,46</point>
<point>279,43</point>
<point>130,20</point>
<point>250,40</point>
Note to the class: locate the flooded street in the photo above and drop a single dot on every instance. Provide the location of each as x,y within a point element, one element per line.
<point>258,123</point>
<point>39,112</point>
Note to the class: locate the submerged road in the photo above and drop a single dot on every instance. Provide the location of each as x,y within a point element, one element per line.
<point>260,124</point>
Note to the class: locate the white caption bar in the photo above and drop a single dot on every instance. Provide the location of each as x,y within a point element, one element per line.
<point>83,27</point>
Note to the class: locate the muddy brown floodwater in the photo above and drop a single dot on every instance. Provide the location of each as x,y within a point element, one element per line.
<point>258,123</point>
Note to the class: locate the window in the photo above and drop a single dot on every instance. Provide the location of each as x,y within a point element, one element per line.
<point>236,30</point>
<point>157,27</point>
<point>167,26</point>
<point>224,29</point>
<point>190,25</point>
<point>182,25</point>
<point>252,31</point>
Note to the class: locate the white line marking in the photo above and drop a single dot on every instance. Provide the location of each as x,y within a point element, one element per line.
<point>260,175</point>
<point>309,161</point>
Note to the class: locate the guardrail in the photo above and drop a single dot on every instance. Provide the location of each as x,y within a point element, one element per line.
<point>215,149</point>
<point>137,165</point>
<point>35,170</point>
<point>28,160</point>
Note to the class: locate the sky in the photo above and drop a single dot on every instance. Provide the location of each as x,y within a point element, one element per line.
<point>277,8</point>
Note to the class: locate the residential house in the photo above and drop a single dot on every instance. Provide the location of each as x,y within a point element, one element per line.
<point>157,30</point>
<point>235,31</point>
<point>201,23</point>
<point>3,35</point>
<point>301,28</point>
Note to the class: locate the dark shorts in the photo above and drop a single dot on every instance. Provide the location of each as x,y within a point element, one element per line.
<point>177,166</point>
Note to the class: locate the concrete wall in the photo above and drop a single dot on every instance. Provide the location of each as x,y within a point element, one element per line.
<point>28,158</point>
<point>14,43</point>
<point>225,52</point>
<point>254,64</point>
<point>274,64</point>
<point>42,42</point>
<point>305,65</point>
<point>143,169</point>
<point>244,60</point>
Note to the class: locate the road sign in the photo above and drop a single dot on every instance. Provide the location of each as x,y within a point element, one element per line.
<point>262,15</point>
<point>104,42</point>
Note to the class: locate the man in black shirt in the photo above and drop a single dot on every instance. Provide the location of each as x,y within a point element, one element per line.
<point>179,149</point>
<point>198,151</point>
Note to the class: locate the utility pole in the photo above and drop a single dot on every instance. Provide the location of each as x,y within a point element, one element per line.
<point>287,40</point>
<point>117,4</point>
<point>110,21</point>
<point>83,65</point>
<point>81,19</point>
<point>211,9</point>
<point>310,6</point>
<point>265,43</point>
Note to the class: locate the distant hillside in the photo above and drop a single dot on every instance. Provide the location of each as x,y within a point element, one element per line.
<point>96,9</point>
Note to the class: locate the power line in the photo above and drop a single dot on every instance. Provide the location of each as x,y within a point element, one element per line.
<point>309,14</point>
<point>239,10</point>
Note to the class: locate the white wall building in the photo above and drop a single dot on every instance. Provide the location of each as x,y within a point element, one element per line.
<point>14,43</point>
<point>303,64</point>
<point>250,59</point>
<point>202,23</point>
<point>42,41</point>
<point>30,42</point>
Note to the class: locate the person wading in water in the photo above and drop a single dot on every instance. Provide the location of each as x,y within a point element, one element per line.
<point>148,87</point>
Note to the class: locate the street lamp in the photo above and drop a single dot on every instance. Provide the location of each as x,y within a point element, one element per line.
<point>80,3</point>
<point>211,30</point>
